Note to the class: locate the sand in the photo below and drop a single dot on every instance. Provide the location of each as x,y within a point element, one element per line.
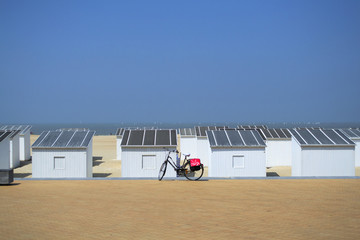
<point>214,209</point>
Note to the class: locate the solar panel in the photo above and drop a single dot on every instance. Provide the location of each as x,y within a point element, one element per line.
<point>125,138</point>
<point>280,133</point>
<point>249,138</point>
<point>149,138</point>
<point>136,138</point>
<point>88,138</point>
<point>211,138</point>
<point>50,139</point>
<point>261,133</point>
<point>286,132</point>
<point>203,130</point>
<point>349,133</point>
<point>320,136</point>
<point>197,129</point>
<point>162,137</point>
<point>267,133</point>
<point>305,134</point>
<point>64,138</point>
<point>344,137</point>
<point>258,137</point>
<point>356,131</point>
<point>40,138</point>
<point>297,136</point>
<point>334,137</point>
<point>4,135</point>
<point>235,138</point>
<point>221,138</point>
<point>273,133</point>
<point>77,139</point>
<point>173,138</point>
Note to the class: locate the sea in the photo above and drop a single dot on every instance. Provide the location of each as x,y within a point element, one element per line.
<point>110,128</point>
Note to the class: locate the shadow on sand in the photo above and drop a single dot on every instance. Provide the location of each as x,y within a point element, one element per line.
<point>97,161</point>
<point>21,175</point>
<point>101,175</point>
<point>272,174</point>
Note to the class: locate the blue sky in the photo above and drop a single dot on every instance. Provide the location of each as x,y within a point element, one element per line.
<point>179,61</point>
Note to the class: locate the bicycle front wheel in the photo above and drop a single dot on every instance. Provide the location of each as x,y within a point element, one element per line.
<point>162,170</point>
<point>193,175</point>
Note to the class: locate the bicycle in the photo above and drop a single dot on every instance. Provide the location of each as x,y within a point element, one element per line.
<point>191,173</point>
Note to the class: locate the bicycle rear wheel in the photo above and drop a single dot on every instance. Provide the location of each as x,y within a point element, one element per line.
<point>193,175</point>
<point>162,170</point>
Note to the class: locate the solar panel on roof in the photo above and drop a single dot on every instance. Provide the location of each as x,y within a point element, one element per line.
<point>50,139</point>
<point>149,138</point>
<point>235,138</point>
<point>344,137</point>
<point>320,136</point>
<point>77,139</point>
<point>286,132</point>
<point>273,133</point>
<point>297,136</point>
<point>203,130</point>
<point>136,137</point>
<point>197,130</point>
<point>211,138</point>
<point>64,138</point>
<point>349,133</point>
<point>88,138</point>
<point>305,134</point>
<point>40,138</point>
<point>125,138</point>
<point>334,136</point>
<point>280,133</point>
<point>221,138</point>
<point>258,137</point>
<point>356,131</point>
<point>248,138</point>
<point>261,133</point>
<point>267,133</point>
<point>162,137</point>
<point>4,135</point>
<point>173,138</point>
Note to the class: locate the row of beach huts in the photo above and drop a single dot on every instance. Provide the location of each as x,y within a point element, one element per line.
<point>244,151</point>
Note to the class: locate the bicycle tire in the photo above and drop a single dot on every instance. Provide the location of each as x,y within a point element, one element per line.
<point>193,175</point>
<point>162,170</point>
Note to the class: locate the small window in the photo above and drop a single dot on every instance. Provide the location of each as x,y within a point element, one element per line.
<point>238,162</point>
<point>148,162</point>
<point>59,163</point>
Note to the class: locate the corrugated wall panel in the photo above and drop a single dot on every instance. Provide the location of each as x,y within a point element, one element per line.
<point>278,153</point>
<point>118,147</point>
<point>296,158</point>
<point>75,163</point>
<point>5,154</point>
<point>15,152</point>
<point>188,145</point>
<point>131,162</point>
<point>328,161</point>
<point>27,145</point>
<point>357,153</point>
<point>89,160</point>
<point>221,163</point>
<point>203,150</point>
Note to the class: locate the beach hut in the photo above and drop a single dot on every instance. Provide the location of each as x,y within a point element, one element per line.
<point>188,141</point>
<point>24,139</point>
<point>143,152</point>
<point>63,154</point>
<point>119,136</point>
<point>6,172</point>
<point>14,149</point>
<point>320,152</point>
<point>236,153</point>
<point>5,149</point>
<point>278,146</point>
<point>354,135</point>
<point>202,143</point>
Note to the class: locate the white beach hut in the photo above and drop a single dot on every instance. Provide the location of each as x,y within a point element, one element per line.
<point>14,149</point>
<point>354,135</point>
<point>143,152</point>
<point>63,154</point>
<point>5,149</point>
<point>202,146</point>
<point>188,142</point>
<point>278,146</point>
<point>119,136</point>
<point>320,152</point>
<point>24,139</point>
<point>236,153</point>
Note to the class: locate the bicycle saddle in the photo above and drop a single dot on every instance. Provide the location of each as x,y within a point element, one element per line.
<point>186,155</point>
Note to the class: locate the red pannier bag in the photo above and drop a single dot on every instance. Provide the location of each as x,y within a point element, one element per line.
<point>195,164</point>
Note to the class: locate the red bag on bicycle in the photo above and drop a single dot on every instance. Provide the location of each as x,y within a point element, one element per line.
<point>195,164</point>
